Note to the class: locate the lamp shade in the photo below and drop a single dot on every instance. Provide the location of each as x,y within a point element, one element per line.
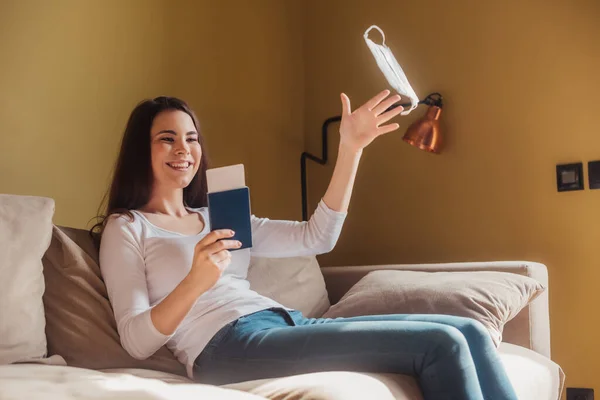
<point>425,132</point>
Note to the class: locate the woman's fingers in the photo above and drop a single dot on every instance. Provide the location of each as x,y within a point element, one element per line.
<point>386,116</point>
<point>371,104</point>
<point>223,244</point>
<point>346,109</point>
<point>213,237</point>
<point>221,256</point>
<point>387,128</point>
<point>221,259</point>
<point>384,105</point>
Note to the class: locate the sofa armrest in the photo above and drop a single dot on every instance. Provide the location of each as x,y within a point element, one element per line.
<point>530,328</point>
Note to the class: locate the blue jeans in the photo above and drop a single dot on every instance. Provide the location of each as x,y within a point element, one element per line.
<point>453,358</point>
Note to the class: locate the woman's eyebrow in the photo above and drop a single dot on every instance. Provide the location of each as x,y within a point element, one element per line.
<point>172,132</point>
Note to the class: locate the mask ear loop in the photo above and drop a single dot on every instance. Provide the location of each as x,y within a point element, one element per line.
<point>366,35</point>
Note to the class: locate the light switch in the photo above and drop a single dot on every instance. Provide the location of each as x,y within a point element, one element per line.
<point>569,177</point>
<point>594,174</point>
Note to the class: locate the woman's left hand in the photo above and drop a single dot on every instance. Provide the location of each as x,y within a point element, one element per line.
<point>359,128</point>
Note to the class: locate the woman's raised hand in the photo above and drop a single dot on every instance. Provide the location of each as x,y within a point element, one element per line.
<point>360,127</point>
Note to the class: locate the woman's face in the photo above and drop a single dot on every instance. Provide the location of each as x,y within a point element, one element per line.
<point>175,149</point>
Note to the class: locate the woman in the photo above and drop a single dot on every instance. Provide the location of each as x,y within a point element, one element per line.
<point>171,280</point>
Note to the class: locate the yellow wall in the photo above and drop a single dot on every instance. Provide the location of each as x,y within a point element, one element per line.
<point>240,65</point>
<point>72,71</point>
<point>520,81</point>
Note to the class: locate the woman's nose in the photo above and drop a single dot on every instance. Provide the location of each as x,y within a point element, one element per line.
<point>182,149</point>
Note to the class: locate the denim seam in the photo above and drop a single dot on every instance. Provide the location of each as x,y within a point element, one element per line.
<point>317,358</point>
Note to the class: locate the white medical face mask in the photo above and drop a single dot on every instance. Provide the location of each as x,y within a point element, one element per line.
<point>391,69</point>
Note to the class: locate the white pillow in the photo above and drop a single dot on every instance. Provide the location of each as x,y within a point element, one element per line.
<point>490,297</point>
<point>295,282</point>
<point>25,233</point>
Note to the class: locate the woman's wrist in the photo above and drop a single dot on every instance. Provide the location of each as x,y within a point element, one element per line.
<point>349,150</point>
<point>192,284</point>
<point>337,196</point>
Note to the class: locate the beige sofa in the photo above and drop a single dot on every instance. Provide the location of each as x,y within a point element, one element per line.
<point>82,358</point>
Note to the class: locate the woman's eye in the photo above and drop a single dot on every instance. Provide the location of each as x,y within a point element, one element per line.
<point>167,139</point>
<point>192,140</point>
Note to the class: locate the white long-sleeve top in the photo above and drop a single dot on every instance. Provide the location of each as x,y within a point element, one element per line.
<point>142,263</point>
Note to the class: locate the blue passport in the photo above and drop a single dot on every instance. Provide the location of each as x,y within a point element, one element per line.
<point>230,209</point>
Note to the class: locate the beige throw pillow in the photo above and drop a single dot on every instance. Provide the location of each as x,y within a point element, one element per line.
<point>80,324</point>
<point>295,282</point>
<point>492,298</point>
<point>25,230</point>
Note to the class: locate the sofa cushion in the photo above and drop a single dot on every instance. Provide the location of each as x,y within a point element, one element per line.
<point>331,385</point>
<point>295,282</point>
<point>60,382</point>
<point>492,298</point>
<point>25,230</point>
<point>532,375</point>
<point>80,321</point>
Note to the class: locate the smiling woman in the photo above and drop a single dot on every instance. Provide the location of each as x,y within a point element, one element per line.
<point>172,280</point>
<point>164,133</point>
<point>176,153</point>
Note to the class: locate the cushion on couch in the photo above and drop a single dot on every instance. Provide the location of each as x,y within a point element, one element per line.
<point>533,376</point>
<point>295,282</point>
<point>492,298</point>
<point>330,385</point>
<point>25,230</point>
<point>37,382</point>
<point>80,322</point>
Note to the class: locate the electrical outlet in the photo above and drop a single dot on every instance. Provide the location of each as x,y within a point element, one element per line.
<point>580,394</point>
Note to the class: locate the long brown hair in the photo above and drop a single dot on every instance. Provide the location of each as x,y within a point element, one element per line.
<point>132,180</point>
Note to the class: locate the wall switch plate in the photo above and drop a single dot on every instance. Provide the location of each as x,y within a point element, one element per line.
<point>580,394</point>
<point>569,177</point>
<point>594,174</point>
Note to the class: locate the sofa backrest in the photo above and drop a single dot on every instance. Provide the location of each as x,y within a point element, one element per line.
<point>80,324</point>
<point>530,328</point>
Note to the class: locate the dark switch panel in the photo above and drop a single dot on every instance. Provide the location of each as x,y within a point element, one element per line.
<point>594,174</point>
<point>580,394</point>
<point>569,177</point>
